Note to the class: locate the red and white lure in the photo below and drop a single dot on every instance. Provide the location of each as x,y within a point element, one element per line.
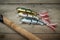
<point>45,18</point>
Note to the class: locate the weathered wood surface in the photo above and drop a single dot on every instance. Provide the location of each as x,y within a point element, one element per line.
<point>9,11</point>
<point>15,36</point>
<point>29,1</point>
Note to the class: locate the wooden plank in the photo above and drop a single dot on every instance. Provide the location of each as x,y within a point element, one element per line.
<point>44,36</point>
<point>11,37</point>
<point>29,1</point>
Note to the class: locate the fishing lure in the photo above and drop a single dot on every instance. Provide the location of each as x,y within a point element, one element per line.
<point>31,21</point>
<point>27,15</point>
<point>25,10</point>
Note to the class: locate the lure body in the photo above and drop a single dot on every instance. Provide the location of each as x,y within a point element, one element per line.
<point>27,11</point>
<point>31,21</point>
<point>27,15</point>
